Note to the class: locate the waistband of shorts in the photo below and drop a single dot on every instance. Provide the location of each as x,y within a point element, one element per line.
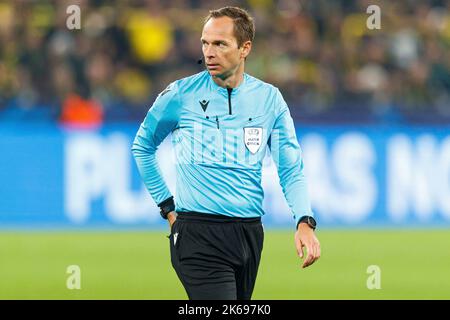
<point>213,218</point>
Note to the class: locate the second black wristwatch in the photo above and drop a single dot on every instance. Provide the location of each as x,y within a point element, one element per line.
<point>310,221</point>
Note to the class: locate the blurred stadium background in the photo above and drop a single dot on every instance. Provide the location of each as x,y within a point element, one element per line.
<point>372,111</point>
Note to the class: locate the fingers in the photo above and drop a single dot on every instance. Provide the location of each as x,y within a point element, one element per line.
<point>171,218</point>
<point>313,249</point>
<point>309,257</point>
<point>299,246</point>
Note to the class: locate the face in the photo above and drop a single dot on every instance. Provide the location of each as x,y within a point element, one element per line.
<point>220,47</point>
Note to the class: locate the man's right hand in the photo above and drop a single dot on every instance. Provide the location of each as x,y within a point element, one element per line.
<point>171,217</point>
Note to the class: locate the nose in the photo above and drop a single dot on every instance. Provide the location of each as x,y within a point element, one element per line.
<point>209,51</point>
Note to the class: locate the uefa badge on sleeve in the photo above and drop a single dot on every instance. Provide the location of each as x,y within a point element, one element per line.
<point>253,138</point>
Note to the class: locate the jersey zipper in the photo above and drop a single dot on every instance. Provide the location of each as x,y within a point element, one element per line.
<point>217,121</point>
<point>229,99</point>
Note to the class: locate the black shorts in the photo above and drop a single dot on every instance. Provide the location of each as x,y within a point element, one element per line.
<point>216,257</point>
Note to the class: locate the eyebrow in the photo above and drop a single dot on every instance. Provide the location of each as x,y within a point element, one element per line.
<point>215,41</point>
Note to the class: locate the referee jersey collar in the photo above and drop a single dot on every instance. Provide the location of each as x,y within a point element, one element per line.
<point>223,90</point>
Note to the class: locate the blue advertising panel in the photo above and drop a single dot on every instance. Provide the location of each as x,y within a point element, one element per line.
<point>358,176</point>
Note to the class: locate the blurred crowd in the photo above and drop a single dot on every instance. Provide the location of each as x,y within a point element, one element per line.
<point>326,62</point>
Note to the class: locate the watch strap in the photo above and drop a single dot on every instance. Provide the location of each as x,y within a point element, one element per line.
<point>166,207</point>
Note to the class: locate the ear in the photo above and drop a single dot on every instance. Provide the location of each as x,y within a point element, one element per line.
<point>246,48</point>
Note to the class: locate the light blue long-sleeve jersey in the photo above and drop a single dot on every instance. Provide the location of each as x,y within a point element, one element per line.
<point>220,137</point>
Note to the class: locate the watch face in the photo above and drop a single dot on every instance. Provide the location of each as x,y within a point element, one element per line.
<point>312,222</point>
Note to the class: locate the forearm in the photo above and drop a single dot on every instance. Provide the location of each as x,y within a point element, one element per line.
<point>295,190</point>
<point>150,173</point>
<point>293,181</point>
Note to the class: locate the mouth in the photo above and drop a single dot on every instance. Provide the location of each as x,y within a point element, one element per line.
<point>212,65</point>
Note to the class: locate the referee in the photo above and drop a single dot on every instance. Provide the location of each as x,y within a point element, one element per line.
<point>222,120</point>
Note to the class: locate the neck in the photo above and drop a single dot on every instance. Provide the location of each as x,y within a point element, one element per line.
<point>231,81</point>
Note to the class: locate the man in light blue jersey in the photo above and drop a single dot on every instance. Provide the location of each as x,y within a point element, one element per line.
<point>222,120</point>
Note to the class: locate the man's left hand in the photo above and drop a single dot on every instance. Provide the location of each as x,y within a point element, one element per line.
<point>305,237</point>
<point>171,218</point>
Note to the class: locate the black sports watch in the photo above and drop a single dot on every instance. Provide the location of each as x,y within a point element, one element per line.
<point>166,206</point>
<point>310,221</point>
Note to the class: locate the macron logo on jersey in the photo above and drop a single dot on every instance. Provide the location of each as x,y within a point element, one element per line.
<point>204,104</point>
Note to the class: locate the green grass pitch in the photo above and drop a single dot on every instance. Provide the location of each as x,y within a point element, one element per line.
<point>415,264</point>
